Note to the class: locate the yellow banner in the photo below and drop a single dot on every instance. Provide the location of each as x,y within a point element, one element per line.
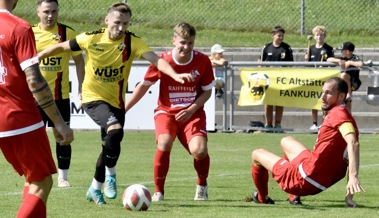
<point>289,87</point>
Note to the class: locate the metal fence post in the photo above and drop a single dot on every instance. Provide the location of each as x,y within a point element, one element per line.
<point>231,111</point>
<point>225,98</point>
<point>302,19</point>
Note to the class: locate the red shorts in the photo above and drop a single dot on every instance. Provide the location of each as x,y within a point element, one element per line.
<point>195,126</point>
<point>29,154</point>
<point>288,176</point>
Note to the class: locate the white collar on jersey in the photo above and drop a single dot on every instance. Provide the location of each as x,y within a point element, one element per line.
<point>176,61</point>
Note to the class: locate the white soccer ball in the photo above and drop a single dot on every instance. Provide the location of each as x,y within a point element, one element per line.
<point>136,197</point>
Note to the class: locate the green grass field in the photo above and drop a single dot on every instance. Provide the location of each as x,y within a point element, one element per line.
<point>229,181</point>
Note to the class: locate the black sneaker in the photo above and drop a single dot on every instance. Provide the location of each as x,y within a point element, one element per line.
<point>255,199</point>
<point>296,200</point>
<point>219,93</point>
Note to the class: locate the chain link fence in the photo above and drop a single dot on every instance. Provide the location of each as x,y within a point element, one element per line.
<point>296,16</point>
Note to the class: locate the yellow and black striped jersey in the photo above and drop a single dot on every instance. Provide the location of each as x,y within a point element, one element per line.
<point>55,69</point>
<point>107,65</point>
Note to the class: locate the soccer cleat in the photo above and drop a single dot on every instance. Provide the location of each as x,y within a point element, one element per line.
<point>255,199</point>
<point>157,196</point>
<point>62,183</point>
<point>95,196</point>
<point>295,200</point>
<point>201,193</point>
<point>314,127</point>
<point>110,190</point>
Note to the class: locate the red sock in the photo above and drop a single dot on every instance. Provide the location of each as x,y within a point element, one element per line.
<point>25,191</point>
<point>202,169</point>
<point>161,165</point>
<point>260,178</point>
<point>32,207</point>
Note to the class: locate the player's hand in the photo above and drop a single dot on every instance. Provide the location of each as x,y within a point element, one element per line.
<point>184,77</point>
<point>353,186</point>
<point>65,134</point>
<point>349,201</point>
<point>80,98</point>
<point>183,115</point>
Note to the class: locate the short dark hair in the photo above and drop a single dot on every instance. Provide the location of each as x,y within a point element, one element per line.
<point>120,7</point>
<point>341,85</point>
<point>39,2</point>
<point>277,29</point>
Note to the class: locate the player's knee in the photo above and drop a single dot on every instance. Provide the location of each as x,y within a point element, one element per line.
<point>114,137</point>
<point>286,140</point>
<point>256,153</point>
<point>199,154</point>
<point>198,148</point>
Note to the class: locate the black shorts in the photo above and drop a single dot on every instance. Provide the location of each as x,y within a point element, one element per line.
<point>104,115</point>
<point>63,107</point>
<point>354,80</point>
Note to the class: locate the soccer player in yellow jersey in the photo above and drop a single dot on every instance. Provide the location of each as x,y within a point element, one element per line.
<point>55,70</point>
<point>109,55</point>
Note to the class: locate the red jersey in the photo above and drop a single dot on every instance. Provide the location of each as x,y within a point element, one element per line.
<point>327,165</point>
<point>18,111</point>
<point>174,96</point>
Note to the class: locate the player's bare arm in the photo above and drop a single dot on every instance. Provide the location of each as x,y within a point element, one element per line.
<point>44,98</point>
<point>138,93</point>
<point>186,114</point>
<point>353,185</point>
<point>54,50</point>
<point>166,68</point>
<point>80,72</point>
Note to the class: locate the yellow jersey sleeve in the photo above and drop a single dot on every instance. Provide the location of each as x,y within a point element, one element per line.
<point>346,128</point>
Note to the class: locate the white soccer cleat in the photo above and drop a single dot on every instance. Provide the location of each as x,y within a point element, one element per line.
<point>62,183</point>
<point>201,193</point>
<point>157,196</point>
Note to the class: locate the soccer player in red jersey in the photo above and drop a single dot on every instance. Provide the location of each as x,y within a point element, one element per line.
<point>180,110</point>
<point>303,172</point>
<point>23,139</point>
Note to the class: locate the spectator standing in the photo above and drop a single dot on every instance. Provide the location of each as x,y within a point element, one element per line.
<point>277,50</point>
<point>318,52</point>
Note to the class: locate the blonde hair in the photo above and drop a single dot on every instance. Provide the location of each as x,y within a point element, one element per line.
<point>319,29</point>
<point>184,30</point>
